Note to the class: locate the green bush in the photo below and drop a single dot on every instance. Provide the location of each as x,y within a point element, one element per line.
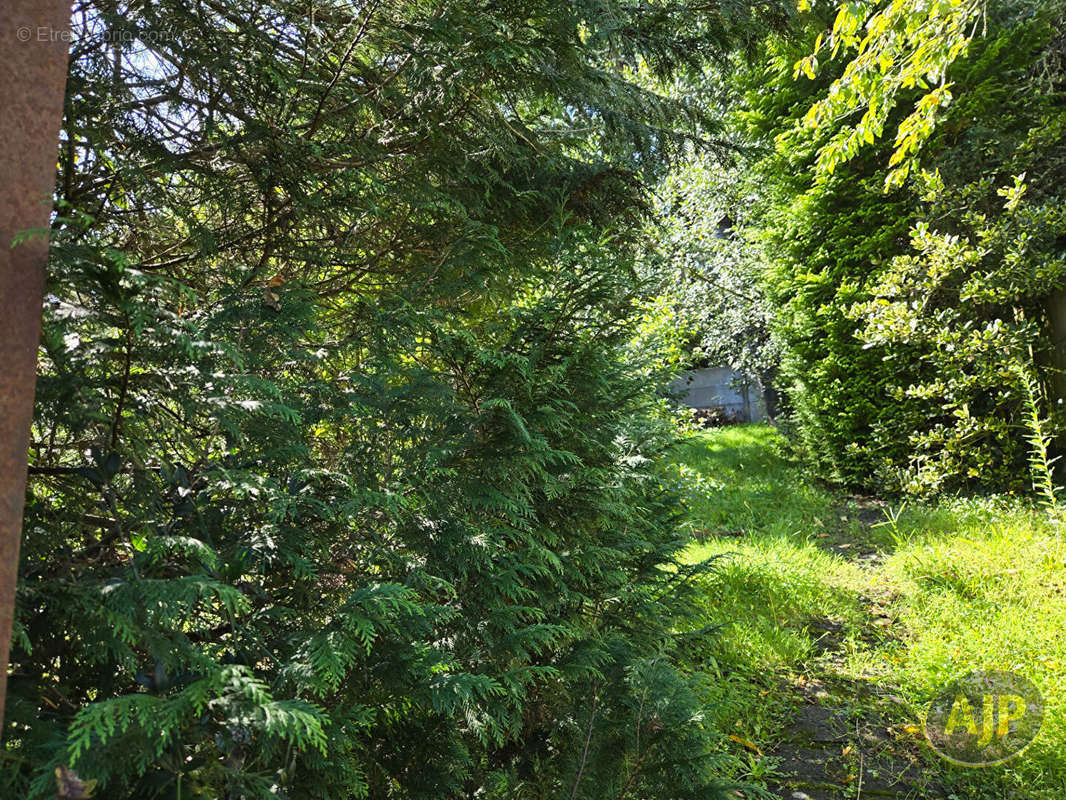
<point>906,315</point>
<point>343,474</point>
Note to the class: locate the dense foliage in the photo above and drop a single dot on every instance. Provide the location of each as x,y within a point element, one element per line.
<point>710,275</point>
<point>346,474</point>
<point>916,282</point>
<point>341,477</point>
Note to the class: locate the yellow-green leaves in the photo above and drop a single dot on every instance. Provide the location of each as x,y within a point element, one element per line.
<point>1014,194</point>
<point>903,46</point>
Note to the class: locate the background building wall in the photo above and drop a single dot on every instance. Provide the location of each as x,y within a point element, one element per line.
<point>721,387</point>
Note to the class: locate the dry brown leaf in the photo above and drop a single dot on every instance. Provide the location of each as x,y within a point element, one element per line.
<point>748,743</point>
<point>70,787</point>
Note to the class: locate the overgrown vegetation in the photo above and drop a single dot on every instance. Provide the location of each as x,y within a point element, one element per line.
<point>873,600</point>
<point>344,476</point>
<point>353,475</point>
<point>911,260</point>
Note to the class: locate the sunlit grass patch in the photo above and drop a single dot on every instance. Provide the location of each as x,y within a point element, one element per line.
<point>759,519</point>
<point>767,590</point>
<point>960,585</point>
<point>748,485</point>
<point>981,584</point>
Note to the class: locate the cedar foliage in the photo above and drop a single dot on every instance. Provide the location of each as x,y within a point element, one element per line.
<point>341,477</point>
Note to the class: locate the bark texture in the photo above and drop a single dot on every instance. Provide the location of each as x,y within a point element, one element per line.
<point>34,39</point>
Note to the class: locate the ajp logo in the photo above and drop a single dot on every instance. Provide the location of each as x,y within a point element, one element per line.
<point>984,718</point>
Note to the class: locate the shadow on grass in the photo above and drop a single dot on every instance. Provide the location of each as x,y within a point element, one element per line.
<point>746,485</point>
<point>776,592</point>
<point>865,593</point>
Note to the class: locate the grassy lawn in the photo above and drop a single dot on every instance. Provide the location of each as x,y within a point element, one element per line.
<point>855,611</point>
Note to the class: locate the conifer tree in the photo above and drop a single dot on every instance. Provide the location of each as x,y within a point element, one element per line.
<point>342,475</point>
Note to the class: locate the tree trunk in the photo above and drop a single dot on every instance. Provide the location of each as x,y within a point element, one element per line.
<point>1055,308</point>
<point>34,39</point>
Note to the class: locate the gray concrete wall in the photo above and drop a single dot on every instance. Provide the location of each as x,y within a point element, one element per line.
<point>721,386</point>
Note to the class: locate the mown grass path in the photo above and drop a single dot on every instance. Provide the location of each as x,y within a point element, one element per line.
<point>842,616</point>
